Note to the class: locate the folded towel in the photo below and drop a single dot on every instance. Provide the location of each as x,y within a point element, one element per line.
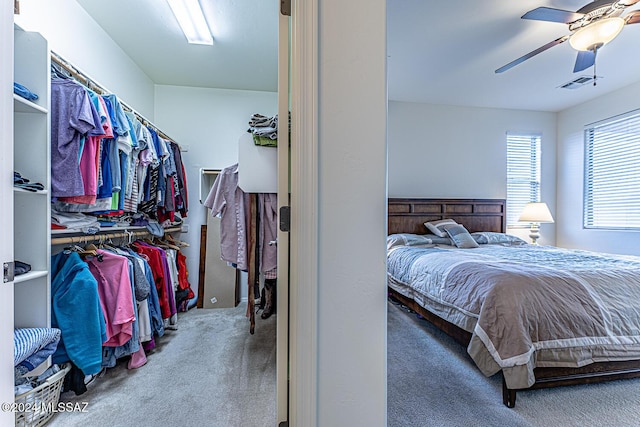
<point>29,341</point>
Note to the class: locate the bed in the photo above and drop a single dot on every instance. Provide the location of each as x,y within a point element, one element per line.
<point>542,316</point>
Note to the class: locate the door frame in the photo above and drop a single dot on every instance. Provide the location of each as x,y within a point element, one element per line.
<point>6,213</point>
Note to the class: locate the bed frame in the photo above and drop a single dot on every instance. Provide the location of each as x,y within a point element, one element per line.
<point>409,216</point>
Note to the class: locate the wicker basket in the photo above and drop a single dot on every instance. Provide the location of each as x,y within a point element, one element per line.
<point>36,407</point>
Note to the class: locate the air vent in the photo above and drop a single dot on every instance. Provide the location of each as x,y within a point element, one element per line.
<point>579,82</point>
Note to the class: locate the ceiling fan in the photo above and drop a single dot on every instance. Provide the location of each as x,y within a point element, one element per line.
<point>591,27</point>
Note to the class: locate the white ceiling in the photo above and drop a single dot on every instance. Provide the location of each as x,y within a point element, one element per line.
<point>243,56</point>
<point>441,52</point>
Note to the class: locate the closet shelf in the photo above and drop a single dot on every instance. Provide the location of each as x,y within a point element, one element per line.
<point>33,274</point>
<point>133,232</point>
<point>22,190</point>
<point>21,105</point>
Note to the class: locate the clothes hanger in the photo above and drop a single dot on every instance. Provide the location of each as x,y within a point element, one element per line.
<point>57,72</point>
<point>163,244</point>
<point>176,242</point>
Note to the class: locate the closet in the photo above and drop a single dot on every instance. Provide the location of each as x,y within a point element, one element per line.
<point>135,88</point>
<point>118,188</point>
<point>142,239</point>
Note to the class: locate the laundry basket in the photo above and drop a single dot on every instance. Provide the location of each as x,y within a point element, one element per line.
<point>35,407</point>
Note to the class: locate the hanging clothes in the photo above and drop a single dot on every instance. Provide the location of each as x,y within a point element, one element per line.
<point>73,116</point>
<point>158,262</point>
<point>227,200</point>
<point>114,287</point>
<point>74,296</point>
<point>106,162</point>
<point>268,232</point>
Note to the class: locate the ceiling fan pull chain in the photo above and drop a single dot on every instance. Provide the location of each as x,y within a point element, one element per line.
<point>595,56</point>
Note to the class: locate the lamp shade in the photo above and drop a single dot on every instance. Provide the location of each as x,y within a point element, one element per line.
<point>536,212</point>
<point>596,34</point>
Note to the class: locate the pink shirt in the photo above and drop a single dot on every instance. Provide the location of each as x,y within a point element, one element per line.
<point>116,297</point>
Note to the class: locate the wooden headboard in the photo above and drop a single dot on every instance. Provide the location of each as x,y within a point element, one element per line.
<point>409,215</point>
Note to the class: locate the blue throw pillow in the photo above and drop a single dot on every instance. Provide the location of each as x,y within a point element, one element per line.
<point>461,237</point>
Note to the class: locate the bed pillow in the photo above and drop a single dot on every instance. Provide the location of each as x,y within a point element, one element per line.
<point>406,239</point>
<point>439,228</point>
<point>461,237</point>
<point>493,238</point>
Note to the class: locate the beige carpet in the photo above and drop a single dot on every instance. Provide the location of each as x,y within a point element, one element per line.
<point>210,372</point>
<point>432,381</point>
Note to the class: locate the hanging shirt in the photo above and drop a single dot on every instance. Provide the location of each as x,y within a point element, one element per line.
<point>72,116</point>
<point>268,210</point>
<point>116,297</point>
<point>90,158</point>
<point>228,201</point>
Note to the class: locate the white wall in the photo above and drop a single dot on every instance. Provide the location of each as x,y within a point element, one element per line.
<point>74,35</point>
<point>445,151</point>
<point>351,218</point>
<point>209,122</point>
<point>571,124</point>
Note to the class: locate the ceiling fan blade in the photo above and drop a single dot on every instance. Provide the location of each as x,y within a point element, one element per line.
<point>552,15</point>
<point>532,53</point>
<point>584,60</point>
<point>633,17</point>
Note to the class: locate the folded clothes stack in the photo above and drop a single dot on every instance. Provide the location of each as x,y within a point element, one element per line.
<point>88,224</point>
<point>21,182</point>
<point>22,91</point>
<point>264,126</point>
<point>21,268</point>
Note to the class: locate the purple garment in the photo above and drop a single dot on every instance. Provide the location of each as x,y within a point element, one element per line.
<point>268,209</point>
<point>72,116</point>
<point>230,202</point>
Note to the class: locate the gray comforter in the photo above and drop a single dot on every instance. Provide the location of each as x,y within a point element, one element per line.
<point>526,306</point>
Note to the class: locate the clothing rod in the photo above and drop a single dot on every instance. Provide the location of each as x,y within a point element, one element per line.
<point>85,80</point>
<point>88,238</point>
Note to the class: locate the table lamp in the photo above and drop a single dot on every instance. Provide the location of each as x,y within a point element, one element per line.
<point>535,213</point>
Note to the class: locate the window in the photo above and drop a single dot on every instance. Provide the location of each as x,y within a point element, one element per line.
<point>612,173</point>
<point>523,174</point>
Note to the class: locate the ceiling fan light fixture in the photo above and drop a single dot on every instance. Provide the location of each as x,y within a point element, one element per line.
<point>596,34</point>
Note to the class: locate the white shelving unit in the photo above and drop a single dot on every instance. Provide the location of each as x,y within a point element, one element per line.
<point>32,210</point>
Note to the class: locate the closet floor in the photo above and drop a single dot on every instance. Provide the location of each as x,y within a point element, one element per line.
<point>209,372</point>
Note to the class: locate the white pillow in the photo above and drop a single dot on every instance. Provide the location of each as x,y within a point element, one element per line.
<point>439,228</point>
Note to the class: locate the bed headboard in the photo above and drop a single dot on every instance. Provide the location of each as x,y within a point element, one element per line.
<point>409,215</point>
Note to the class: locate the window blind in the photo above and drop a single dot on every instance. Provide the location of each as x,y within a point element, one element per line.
<point>523,174</point>
<point>612,173</point>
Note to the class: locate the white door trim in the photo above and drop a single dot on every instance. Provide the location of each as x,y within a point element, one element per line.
<point>6,216</point>
<point>303,390</point>
<point>282,332</point>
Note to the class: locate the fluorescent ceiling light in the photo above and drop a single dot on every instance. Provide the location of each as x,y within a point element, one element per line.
<point>191,19</point>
